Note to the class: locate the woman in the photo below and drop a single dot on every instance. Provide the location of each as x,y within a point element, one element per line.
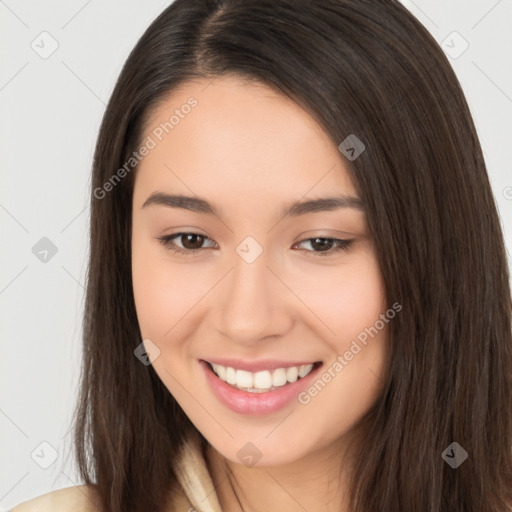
<point>298,296</point>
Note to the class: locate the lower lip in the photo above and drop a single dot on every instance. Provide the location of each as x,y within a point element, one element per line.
<point>244,402</point>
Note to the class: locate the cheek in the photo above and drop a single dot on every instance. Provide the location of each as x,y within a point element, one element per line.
<point>361,300</point>
<point>167,294</point>
<point>156,291</point>
<point>352,303</point>
<point>346,299</point>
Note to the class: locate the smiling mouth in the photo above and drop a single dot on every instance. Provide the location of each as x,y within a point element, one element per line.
<point>262,381</point>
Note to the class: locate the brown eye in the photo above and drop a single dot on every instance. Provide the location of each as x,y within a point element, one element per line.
<point>185,243</point>
<point>324,246</point>
<point>192,241</point>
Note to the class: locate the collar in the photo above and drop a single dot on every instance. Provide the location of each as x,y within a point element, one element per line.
<point>194,478</point>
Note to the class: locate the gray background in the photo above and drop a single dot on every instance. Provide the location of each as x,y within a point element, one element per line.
<point>51,110</point>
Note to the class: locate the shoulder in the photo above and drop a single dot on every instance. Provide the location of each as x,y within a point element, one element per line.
<point>82,498</point>
<point>79,498</point>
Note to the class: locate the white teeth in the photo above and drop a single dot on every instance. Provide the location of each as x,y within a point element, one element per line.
<point>221,371</point>
<point>244,379</point>
<point>265,380</point>
<point>279,377</point>
<point>230,375</point>
<point>292,373</point>
<point>305,369</point>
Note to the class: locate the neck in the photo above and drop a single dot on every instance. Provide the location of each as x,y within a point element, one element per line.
<point>315,482</point>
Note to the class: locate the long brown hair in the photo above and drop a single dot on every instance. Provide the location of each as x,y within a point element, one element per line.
<point>360,67</point>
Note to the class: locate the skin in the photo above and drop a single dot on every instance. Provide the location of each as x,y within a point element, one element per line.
<point>252,151</point>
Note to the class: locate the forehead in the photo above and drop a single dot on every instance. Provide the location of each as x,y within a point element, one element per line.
<point>226,136</point>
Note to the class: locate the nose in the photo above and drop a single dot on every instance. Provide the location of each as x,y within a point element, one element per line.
<point>254,304</point>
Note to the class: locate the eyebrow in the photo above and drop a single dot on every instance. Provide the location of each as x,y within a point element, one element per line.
<point>196,204</point>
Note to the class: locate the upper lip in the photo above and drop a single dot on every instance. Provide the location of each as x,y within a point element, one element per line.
<point>257,366</point>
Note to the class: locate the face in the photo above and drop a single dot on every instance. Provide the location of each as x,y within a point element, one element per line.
<point>265,303</point>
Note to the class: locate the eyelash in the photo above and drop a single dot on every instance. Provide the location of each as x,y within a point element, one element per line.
<point>167,241</point>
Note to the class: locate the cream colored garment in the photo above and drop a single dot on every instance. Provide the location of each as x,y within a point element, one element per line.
<point>71,499</point>
<point>194,478</point>
<point>197,493</point>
